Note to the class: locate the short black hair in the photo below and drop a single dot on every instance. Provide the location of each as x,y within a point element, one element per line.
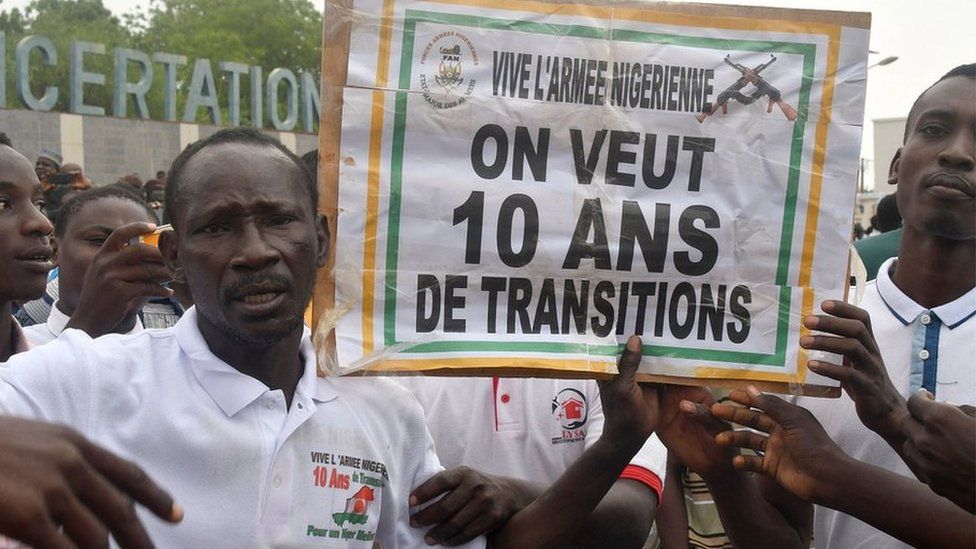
<point>231,135</point>
<point>887,212</point>
<point>4,140</point>
<point>966,71</point>
<point>75,204</point>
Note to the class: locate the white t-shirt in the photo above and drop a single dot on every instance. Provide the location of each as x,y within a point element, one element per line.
<point>39,334</point>
<point>530,429</point>
<point>334,470</point>
<point>913,341</point>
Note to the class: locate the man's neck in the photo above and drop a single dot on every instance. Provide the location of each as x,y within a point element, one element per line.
<point>933,271</point>
<point>6,331</point>
<point>278,365</point>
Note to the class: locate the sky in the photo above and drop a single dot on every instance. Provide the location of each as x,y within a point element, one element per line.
<point>929,37</point>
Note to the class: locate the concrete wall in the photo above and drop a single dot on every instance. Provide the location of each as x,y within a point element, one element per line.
<point>109,147</point>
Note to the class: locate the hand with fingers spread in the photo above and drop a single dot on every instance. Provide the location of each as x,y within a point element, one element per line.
<point>688,429</point>
<point>796,452</point>
<point>801,458</point>
<point>846,330</point>
<point>475,503</point>
<point>940,448</point>
<point>121,278</point>
<point>64,491</point>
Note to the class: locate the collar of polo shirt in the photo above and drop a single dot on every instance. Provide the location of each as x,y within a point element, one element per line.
<point>951,314</point>
<point>233,390</point>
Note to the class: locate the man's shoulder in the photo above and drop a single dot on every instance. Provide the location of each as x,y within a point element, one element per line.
<point>375,396</point>
<point>38,334</point>
<point>111,350</point>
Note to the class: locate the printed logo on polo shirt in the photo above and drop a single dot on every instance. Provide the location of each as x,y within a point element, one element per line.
<point>357,507</point>
<point>352,487</point>
<point>570,411</point>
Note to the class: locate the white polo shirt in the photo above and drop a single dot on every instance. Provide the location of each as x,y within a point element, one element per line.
<point>919,346</point>
<point>530,429</point>
<point>39,334</point>
<point>335,470</point>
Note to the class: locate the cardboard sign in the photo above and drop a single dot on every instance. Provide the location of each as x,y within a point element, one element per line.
<point>516,187</point>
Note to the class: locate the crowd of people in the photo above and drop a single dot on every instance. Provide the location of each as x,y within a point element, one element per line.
<point>168,394</point>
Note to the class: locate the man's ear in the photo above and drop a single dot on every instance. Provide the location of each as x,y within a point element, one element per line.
<point>169,247</point>
<point>323,239</point>
<point>54,250</point>
<point>893,168</point>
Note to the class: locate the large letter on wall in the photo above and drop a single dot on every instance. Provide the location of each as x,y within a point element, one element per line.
<point>78,77</point>
<point>3,69</point>
<point>276,77</point>
<point>125,88</point>
<point>203,93</point>
<point>234,72</point>
<point>22,70</point>
<point>311,101</point>
<point>169,62</point>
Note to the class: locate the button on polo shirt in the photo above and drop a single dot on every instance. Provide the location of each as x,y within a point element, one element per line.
<point>334,470</point>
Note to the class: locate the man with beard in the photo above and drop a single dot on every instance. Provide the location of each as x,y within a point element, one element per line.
<point>226,409</point>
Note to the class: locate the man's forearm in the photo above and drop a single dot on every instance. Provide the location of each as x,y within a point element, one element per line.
<point>900,506</point>
<point>750,520</point>
<point>549,521</point>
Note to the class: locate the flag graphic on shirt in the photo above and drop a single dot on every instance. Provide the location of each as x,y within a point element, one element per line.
<point>357,508</point>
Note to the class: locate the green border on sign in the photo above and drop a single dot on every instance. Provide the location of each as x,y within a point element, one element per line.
<point>412,17</point>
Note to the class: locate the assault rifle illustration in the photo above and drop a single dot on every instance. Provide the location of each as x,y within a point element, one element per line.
<point>762,89</point>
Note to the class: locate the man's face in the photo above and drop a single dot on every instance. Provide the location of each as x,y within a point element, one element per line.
<point>248,241</point>
<point>935,167</point>
<point>157,194</point>
<point>25,250</point>
<point>84,236</point>
<point>44,167</point>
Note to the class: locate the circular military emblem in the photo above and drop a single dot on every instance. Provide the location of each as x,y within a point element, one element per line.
<point>569,409</point>
<point>445,70</point>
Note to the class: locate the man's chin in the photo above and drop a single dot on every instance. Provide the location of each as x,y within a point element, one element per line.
<point>950,227</point>
<point>265,334</point>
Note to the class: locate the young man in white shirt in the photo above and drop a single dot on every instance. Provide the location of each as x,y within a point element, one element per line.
<point>101,289</point>
<point>25,249</point>
<point>917,330</point>
<point>226,410</point>
<point>921,307</point>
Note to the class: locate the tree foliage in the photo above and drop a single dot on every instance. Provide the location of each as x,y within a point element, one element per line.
<point>267,33</point>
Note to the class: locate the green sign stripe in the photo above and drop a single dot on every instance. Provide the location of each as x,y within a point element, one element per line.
<point>783,323</point>
<point>623,35</point>
<point>595,350</point>
<point>392,252</point>
<point>793,185</point>
<point>808,51</point>
<point>531,27</point>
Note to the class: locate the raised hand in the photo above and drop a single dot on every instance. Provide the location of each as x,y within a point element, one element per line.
<point>120,279</point>
<point>795,451</point>
<point>940,448</point>
<point>863,376</point>
<point>631,409</point>
<point>61,491</point>
<point>688,429</point>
